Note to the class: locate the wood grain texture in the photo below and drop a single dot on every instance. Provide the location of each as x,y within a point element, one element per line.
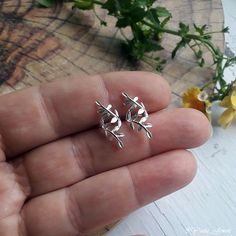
<point>40,45</point>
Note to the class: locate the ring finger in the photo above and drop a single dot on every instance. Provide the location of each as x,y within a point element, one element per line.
<point>72,159</point>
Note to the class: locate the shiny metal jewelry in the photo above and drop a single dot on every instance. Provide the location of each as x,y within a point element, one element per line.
<point>137,115</point>
<point>110,123</point>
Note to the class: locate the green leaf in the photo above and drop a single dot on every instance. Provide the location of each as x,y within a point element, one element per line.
<point>232,60</point>
<point>137,14</point>
<point>202,62</point>
<point>84,4</point>
<point>184,29</point>
<point>122,23</point>
<point>199,54</point>
<point>162,12</point>
<point>111,6</point>
<point>222,82</point>
<point>147,31</point>
<point>165,21</point>
<point>144,3</point>
<point>152,16</point>
<point>46,3</point>
<point>153,46</point>
<point>200,29</point>
<point>225,30</point>
<point>160,63</point>
<point>126,4</point>
<point>128,12</point>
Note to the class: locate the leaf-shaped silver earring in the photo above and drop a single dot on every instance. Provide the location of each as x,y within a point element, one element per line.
<point>137,115</point>
<point>110,123</point>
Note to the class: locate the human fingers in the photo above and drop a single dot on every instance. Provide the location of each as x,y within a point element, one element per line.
<point>72,159</point>
<point>38,115</point>
<point>105,198</point>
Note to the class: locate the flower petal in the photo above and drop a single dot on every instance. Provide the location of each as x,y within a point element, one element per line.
<point>226,117</point>
<point>191,94</point>
<point>190,99</point>
<point>203,96</point>
<point>233,99</point>
<point>226,102</point>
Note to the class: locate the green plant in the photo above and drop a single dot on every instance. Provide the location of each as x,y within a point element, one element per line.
<point>148,22</point>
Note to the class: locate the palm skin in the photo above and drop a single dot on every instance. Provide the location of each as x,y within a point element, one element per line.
<point>60,176</point>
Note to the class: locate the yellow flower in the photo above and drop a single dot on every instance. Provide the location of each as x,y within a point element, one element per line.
<point>228,102</point>
<point>197,99</point>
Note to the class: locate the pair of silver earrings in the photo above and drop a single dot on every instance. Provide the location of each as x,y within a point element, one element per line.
<point>136,116</point>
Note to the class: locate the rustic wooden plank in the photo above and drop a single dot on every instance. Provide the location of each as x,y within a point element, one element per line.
<point>40,45</point>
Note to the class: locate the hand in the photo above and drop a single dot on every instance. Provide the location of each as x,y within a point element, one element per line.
<point>60,176</point>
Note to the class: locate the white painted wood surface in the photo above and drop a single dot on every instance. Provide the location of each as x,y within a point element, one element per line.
<point>208,205</point>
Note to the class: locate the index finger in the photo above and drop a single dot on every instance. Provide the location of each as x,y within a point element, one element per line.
<point>38,115</point>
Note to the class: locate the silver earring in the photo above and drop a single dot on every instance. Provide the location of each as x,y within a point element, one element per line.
<point>137,115</point>
<point>110,123</point>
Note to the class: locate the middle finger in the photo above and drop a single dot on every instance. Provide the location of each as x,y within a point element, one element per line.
<point>72,159</point>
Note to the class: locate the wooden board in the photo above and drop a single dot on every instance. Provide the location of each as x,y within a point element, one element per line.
<point>40,45</point>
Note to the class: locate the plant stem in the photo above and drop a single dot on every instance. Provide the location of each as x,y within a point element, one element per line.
<point>98,17</point>
<point>97,2</point>
<point>188,36</point>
